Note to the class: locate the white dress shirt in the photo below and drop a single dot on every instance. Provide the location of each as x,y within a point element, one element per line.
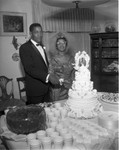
<point>40,49</point>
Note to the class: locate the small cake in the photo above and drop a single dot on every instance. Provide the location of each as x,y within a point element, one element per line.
<point>26,119</point>
<point>82,101</point>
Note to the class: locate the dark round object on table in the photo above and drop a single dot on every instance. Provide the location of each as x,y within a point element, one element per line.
<point>26,119</point>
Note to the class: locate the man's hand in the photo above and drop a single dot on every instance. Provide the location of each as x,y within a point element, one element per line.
<point>67,84</point>
<point>53,79</point>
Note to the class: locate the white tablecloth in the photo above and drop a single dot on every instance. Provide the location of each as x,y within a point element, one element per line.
<point>19,142</point>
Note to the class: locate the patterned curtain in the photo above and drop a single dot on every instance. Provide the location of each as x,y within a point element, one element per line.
<point>62,19</point>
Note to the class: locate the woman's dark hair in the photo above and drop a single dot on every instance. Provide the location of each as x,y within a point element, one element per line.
<point>61,38</point>
<point>33,25</point>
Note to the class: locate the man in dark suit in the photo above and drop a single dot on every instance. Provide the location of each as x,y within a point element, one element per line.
<point>35,64</point>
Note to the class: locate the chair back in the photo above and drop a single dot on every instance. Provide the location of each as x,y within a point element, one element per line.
<point>5,95</point>
<point>22,88</point>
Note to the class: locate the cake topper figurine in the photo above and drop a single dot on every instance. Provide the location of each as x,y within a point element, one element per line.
<point>81,59</point>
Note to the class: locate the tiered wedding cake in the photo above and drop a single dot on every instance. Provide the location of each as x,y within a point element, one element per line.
<point>82,101</point>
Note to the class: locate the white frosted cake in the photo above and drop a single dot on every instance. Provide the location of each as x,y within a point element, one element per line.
<point>82,101</point>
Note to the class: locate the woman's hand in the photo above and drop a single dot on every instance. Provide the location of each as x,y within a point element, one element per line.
<point>60,75</point>
<point>67,84</point>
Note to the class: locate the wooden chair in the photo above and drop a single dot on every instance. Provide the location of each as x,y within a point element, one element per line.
<point>22,89</point>
<point>5,95</point>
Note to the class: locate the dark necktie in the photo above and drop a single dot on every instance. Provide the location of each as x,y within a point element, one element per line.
<point>38,44</point>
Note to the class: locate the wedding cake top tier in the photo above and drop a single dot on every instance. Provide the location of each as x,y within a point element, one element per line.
<point>81,60</point>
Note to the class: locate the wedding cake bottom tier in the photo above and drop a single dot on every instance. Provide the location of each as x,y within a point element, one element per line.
<point>83,109</point>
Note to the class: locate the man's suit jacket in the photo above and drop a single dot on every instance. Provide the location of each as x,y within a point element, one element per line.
<point>35,69</point>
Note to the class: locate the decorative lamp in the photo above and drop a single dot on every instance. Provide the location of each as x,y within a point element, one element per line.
<point>74,3</point>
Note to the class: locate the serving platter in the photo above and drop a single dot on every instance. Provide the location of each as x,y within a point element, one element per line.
<point>112,98</point>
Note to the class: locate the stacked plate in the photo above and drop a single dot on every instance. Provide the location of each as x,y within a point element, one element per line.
<point>109,101</point>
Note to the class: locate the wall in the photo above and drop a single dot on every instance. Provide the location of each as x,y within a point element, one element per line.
<point>107,13</point>
<point>8,67</point>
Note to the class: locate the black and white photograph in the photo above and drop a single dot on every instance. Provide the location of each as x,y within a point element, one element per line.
<point>59,75</point>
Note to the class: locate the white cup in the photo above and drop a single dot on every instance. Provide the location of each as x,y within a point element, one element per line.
<point>53,110</point>
<point>50,116</point>
<point>57,114</point>
<point>40,134</point>
<point>58,142</point>
<point>47,109</point>
<point>54,119</point>
<point>63,132</point>
<point>59,127</point>
<point>57,105</point>
<point>54,135</point>
<point>63,113</point>
<point>46,142</point>
<point>35,145</point>
<point>53,125</point>
<point>49,131</point>
<point>30,137</point>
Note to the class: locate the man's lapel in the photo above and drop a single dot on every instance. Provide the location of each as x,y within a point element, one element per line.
<point>37,51</point>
